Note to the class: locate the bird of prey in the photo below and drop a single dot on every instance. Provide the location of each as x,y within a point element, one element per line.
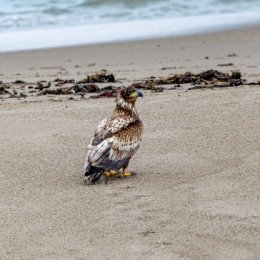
<point>116,139</point>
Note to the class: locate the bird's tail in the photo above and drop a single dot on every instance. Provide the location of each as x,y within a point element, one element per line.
<point>93,174</point>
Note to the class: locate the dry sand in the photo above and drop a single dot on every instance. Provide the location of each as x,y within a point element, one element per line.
<point>196,194</point>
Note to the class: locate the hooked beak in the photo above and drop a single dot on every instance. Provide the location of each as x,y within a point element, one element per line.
<point>139,93</point>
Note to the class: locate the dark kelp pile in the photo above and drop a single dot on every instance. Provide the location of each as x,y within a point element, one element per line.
<point>99,77</point>
<point>20,88</point>
<point>75,89</point>
<point>206,79</point>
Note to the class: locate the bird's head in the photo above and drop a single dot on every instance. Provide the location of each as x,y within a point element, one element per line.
<point>126,97</point>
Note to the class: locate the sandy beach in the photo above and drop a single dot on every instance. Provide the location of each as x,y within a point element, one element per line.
<point>196,192</point>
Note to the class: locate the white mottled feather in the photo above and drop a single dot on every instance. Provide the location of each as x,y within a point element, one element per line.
<point>116,138</point>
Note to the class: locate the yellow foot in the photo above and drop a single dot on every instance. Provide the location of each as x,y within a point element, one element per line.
<point>111,173</point>
<point>127,174</point>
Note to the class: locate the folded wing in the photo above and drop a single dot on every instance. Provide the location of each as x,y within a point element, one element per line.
<point>114,143</point>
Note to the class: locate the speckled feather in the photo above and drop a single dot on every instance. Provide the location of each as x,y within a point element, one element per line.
<point>117,138</point>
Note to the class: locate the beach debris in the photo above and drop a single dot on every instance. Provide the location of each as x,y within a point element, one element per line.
<point>216,79</point>
<point>175,79</point>
<point>19,82</point>
<point>92,64</point>
<point>60,82</point>
<point>209,78</point>
<point>233,54</point>
<point>100,77</point>
<point>174,87</point>
<point>148,85</point>
<point>168,68</point>
<point>205,80</point>
<point>58,91</point>
<point>23,95</point>
<point>225,64</point>
<point>4,89</point>
<point>109,91</point>
<point>147,232</point>
<point>86,88</point>
<point>80,89</point>
<point>254,83</point>
<point>42,85</point>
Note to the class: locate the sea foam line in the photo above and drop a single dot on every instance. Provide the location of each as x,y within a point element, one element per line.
<point>124,31</point>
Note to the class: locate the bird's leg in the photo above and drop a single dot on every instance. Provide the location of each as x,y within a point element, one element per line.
<point>110,173</point>
<point>127,174</point>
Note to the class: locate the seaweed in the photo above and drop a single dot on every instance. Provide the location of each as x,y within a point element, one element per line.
<point>208,79</point>
<point>205,79</point>
<point>99,77</point>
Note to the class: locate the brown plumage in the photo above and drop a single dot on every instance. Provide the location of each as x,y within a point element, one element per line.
<point>116,139</point>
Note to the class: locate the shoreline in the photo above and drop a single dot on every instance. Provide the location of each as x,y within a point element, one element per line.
<point>44,38</point>
<point>134,60</point>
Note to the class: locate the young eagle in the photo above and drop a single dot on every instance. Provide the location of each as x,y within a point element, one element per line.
<point>116,139</point>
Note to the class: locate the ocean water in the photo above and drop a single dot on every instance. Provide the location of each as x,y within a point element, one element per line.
<point>112,20</point>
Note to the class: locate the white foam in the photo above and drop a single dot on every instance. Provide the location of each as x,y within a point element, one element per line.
<point>124,31</point>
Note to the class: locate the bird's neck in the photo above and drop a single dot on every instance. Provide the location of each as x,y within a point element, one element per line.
<point>122,104</point>
<point>127,109</point>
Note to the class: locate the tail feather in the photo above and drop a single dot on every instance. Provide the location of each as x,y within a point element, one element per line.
<point>93,174</point>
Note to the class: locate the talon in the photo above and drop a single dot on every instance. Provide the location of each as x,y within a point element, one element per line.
<point>106,179</point>
<point>111,173</point>
<point>127,174</point>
